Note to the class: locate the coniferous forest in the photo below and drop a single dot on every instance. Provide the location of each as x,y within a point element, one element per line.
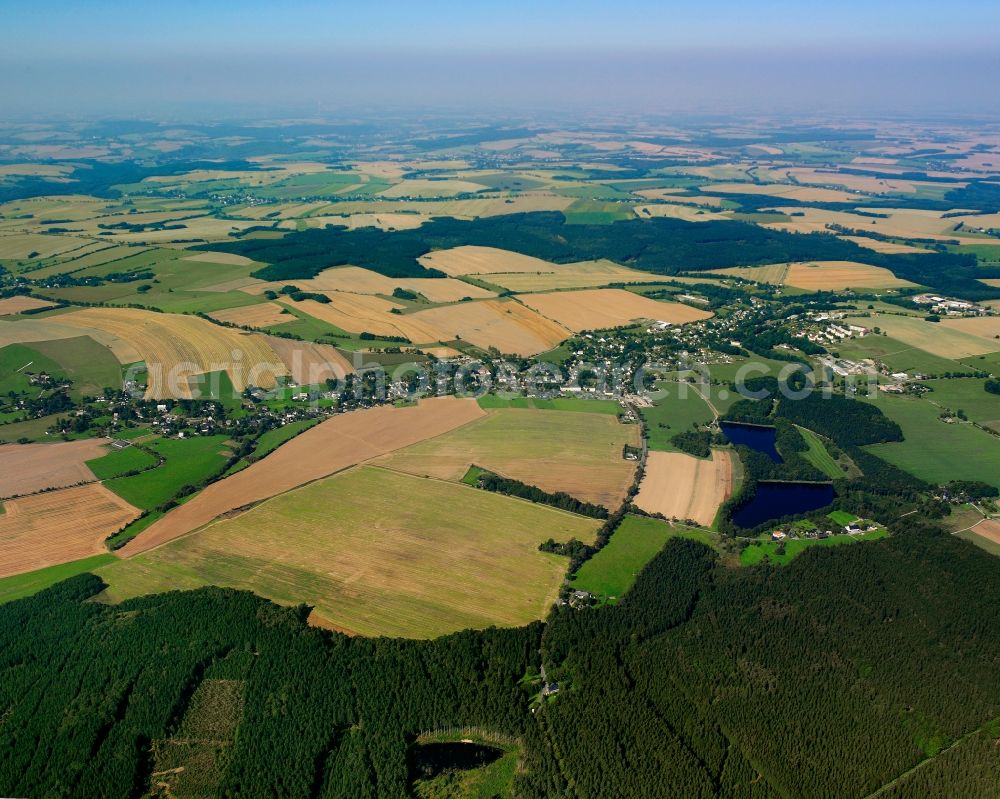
<point>831,677</point>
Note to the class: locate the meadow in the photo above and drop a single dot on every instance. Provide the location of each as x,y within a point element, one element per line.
<point>579,453</point>
<point>395,559</point>
<point>783,553</point>
<point>188,461</point>
<point>936,451</point>
<point>611,572</point>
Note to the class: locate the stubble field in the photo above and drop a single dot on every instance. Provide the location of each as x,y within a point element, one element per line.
<point>376,552</point>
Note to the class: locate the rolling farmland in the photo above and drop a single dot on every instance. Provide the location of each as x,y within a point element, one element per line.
<point>58,526</point>
<point>340,442</point>
<point>394,559</point>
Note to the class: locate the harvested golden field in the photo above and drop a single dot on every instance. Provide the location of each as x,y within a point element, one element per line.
<point>689,213</point>
<point>16,305</point>
<point>342,441</point>
<point>355,280</point>
<point>225,258</point>
<point>472,260</point>
<point>887,247</point>
<point>828,275</point>
<point>360,313</point>
<point>576,452</point>
<point>309,364</point>
<point>384,221</point>
<point>681,486</point>
<point>459,209</point>
<point>935,338</point>
<point>985,327</point>
<point>172,344</point>
<point>28,468</point>
<point>782,190</point>
<point>773,274</point>
<point>59,327</point>
<point>375,552</point>
<point>59,526</point>
<point>596,309</point>
<point>585,274</point>
<point>504,324</point>
<point>264,314</point>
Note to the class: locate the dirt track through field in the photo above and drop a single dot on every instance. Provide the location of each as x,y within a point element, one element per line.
<point>342,441</point>
<point>682,486</point>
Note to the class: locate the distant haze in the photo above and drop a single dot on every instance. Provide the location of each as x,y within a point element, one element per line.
<point>205,58</point>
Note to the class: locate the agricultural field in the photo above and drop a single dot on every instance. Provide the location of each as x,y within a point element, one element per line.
<point>187,462</point>
<point>819,456</point>
<point>395,558</point>
<point>173,348</point>
<point>586,274</point>
<point>355,280</point>
<point>820,275</point>
<point>936,338</point>
<point>678,411</point>
<point>579,453</point>
<point>118,462</point>
<point>59,526</point>
<point>473,260</point>
<point>265,314</point>
<point>598,309</point>
<point>968,395</point>
<point>18,305</point>
<point>681,486</point>
<point>334,445</point>
<point>935,450</point>
<point>30,468</point>
<point>493,401</point>
<point>610,573</point>
<point>897,355</point>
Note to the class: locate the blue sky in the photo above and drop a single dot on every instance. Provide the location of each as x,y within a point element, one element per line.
<point>136,55</point>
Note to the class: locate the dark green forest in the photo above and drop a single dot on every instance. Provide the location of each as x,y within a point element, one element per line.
<point>829,677</point>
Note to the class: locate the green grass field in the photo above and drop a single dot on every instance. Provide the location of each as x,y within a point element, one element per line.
<point>899,357</point>
<point>819,456</point>
<point>755,553</point>
<point>842,517</point>
<point>17,361</point>
<point>22,585</point>
<point>967,535</point>
<point>558,404</point>
<point>399,555</point>
<point>611,572</point>
<point>674,413</point>
<point>935,451</point>
<point>188,461</point>
<point>90,365</point>
<point>32,429</point>
<point>120,461</point>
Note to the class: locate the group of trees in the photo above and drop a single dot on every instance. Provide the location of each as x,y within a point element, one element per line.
<point>558,499</point>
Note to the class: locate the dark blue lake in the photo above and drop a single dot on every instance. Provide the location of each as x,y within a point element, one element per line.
<point>753,436</point>
<point>774,500</point>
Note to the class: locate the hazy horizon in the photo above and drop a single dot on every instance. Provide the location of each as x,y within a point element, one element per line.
<point>202,58</point>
